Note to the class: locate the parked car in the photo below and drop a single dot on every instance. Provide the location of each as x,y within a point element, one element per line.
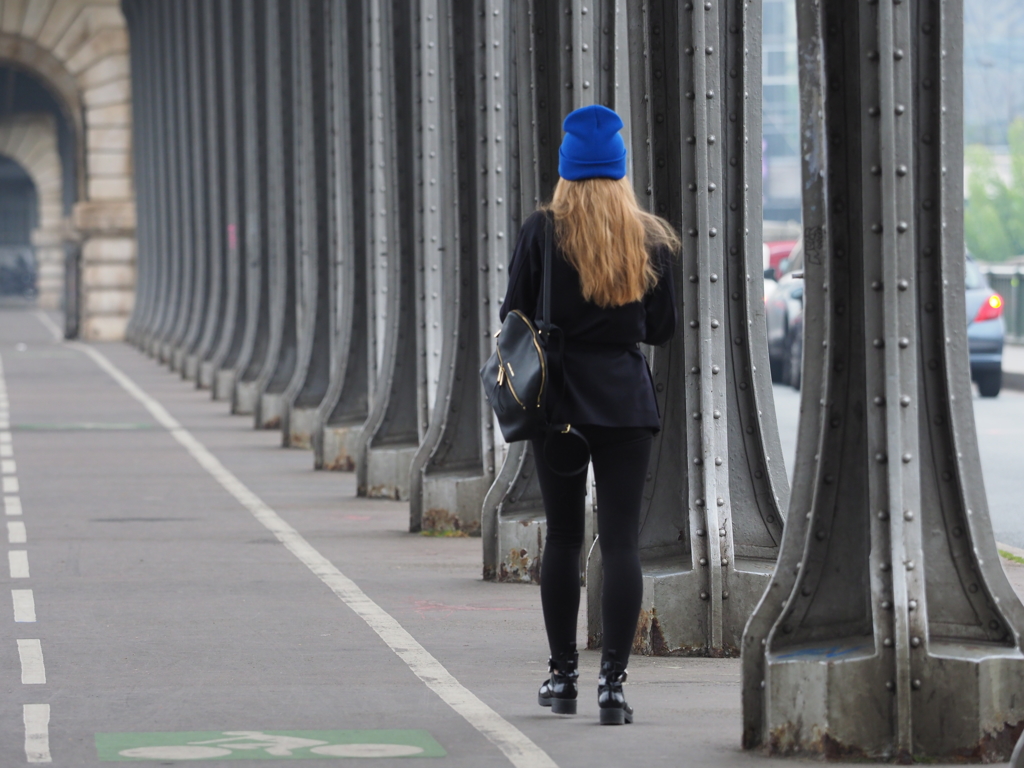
<point>783,309</point>
<point>776,252</point>
<point>784,316</point>
<point>986,331</point>
<point>17,270</point>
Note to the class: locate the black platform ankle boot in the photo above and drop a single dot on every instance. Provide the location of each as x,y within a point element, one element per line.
<point>611,700</point>
<point>560,690</point>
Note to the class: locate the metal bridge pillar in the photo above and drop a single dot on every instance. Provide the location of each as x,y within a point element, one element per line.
<point>346,402</point>
<point>889,629</point>
<point>212,110</point>
<point>258,38</point>
<point>390,436</point>
<point>283,180</point>
<point>225,358</point>
<point>139,30</point>
<point>167,267</point>
<point>551,71</point>
<point>713,508</point>
<point>180,177</point>
<point>311,380</point>
<point>454,465</point>
<point>198,191</point>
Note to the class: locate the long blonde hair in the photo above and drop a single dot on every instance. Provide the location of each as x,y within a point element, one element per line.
<point>605,234</point>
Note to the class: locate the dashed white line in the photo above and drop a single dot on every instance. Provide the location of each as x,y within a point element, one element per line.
<point>10,484</point>
<point>18,560</point>
<point>12,505</point>
<point>16,533</point>
<point>520,750</point>
<point>8,467</point>
<point>33,671</point>
<point>37,733</point>
<point>5,437</point>
<point>24,606</point>
<point>6,450</point>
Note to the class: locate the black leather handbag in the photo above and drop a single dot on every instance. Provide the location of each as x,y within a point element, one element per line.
<point>517,381</point>
<point>516,377</point>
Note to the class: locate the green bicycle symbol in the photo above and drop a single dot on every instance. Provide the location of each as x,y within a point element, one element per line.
<point>269,744</point>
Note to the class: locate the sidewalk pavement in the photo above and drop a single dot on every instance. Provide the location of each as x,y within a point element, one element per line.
<point>165,606</point>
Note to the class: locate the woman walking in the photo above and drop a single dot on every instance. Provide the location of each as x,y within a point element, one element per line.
<point>611,289</point>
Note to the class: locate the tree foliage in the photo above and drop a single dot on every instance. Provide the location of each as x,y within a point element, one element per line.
<point>994,216</point>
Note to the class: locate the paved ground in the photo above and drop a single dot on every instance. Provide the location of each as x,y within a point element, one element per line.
<point>163,604</point>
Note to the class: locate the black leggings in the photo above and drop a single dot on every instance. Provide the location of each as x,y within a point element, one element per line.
<point>620,457</point>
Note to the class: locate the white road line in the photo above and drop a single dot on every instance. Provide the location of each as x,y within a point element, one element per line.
<point>37,733</point>
<point>33,671</point>
<point>10,485</point>
<point>8,467</point>
<point>515,745</point>
<point>5,437</point>
<point>18,560</point>
<point>16,533</point>
<point>6,450</point>
<point>24,606</point>
<point>12,505</point>
<point>52,327</point>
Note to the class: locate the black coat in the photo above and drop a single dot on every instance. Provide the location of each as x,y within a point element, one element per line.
<point>606,379</point>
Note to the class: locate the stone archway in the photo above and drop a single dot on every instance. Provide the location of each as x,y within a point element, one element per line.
<point>31,141</point>
<point>79,49</point>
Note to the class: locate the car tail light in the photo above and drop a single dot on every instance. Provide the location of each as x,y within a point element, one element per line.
<point>991,309</point>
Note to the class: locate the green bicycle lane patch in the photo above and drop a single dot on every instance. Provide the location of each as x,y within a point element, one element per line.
<point>265,745</point>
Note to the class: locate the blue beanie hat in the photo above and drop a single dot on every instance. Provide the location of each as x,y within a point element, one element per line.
<point>592,147</point>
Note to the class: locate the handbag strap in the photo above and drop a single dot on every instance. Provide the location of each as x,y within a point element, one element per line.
<point>544,319</point>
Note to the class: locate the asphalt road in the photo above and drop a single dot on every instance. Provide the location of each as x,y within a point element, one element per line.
<point>1000,423</point>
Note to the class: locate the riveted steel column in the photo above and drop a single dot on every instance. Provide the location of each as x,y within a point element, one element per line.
<point>283,178</point>
<point>561,57</point>
<point>706,561</point>
<point>226,357</point>
<point>169,266</point>
<point>199,191</point>
<point>309,384</point>
<point>181,180</point>
<point>391,434</point>
<point>345,405</point>
<point>449,476</point>
<point>264,320</point>
<point>141,153</point>
<point>889,606</point>
<point>213,106</point>
<point>501,134</point>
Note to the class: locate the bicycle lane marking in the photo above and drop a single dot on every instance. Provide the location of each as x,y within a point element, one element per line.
<point>30,651</point>
<point>520,750</point>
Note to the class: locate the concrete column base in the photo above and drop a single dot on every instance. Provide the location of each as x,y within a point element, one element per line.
<point>247,395</point>
<point>338,449</point>
<point>223,384</point>
<point>452,502</point>
<point>520,549</point>
<point>204,378</point>
<point>190,371</point>
<point>387,472</point>
<point>270,412</point>
<point>302,424</point>
<point>177,362</point>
